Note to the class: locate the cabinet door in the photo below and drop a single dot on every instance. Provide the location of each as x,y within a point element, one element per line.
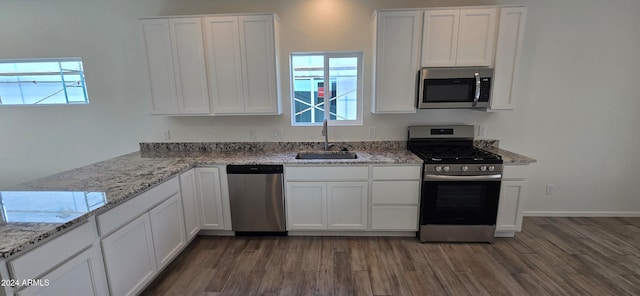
<point>397,61</point>
<point>189,66</point>
<point>224,64</point>
<point>347,205</point>
<point>81,275</point>
<point>306,205</point>
<point>158,59</point>
<point>394,218</point>
<point>508,49</point>
<point>129,257</point>
<point>510,207</point>
<point>476,37</point>
<point>167,228</point>
<point>210,197</point>
<point>257,49</point>
<point>440,38</point>
<point>190,205</point>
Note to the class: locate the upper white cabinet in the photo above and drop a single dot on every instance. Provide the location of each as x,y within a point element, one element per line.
<point>241,60</point>
<point>174,58</point>
<point>212,65</point>
<point>507,59</point>
<point>398,39</point>
<point>459,37</point>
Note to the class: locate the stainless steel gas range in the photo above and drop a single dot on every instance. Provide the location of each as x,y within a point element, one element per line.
<point>460,187</point>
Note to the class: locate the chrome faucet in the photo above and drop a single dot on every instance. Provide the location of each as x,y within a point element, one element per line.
<point>325,133</point>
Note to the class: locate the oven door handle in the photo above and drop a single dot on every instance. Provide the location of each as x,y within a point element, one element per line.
<point>429,177</point>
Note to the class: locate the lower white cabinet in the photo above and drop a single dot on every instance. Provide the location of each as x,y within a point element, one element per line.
<point>347,204</point>
<point>70,264</point>
<point>210,192</point>
<point>167,229</point>
<point>395,197</point>
<point>512,195</point>
<point>129,257</point>
<point>306,205</point>
<point>326,205</point>
<point>135,251</point>
<point>81,275</point>
<point>190,206</point>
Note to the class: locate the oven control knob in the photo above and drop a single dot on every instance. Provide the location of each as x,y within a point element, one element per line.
<point>446,168</point>
<point>483,168</point>
<point>492,168</point>
<point>464,168</point>
<point>439,168</point>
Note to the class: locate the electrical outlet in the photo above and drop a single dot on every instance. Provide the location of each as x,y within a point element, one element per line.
<point>252,133</point>
<point>482,131</point>
<point>166,135</point>
<point>550,189</point>
<point>372,132</point>
<point>277,133</point>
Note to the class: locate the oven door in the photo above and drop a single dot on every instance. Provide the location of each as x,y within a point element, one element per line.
<point>459,202</point>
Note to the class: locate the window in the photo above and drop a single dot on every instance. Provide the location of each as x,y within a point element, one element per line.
<point>42,82</point>
<point>47,206</point>
<point>326,85</point>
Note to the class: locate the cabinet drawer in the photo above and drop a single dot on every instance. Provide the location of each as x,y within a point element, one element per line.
<point>515,172</point>
<point>43,258</point>
<point>396,172</point>
<point>395,192</point>
<point>328,173</point>
<point>394,218</point>
<point>133,208</point>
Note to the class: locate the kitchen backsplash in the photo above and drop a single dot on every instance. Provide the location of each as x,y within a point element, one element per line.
<point>286,146</point>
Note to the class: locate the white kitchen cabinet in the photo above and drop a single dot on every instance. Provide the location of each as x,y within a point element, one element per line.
<point>129,257</point>
<point>459,37</point>
<point>512,195</point>
<point>326,197</point>
<point>306,205</point>
<point>175,63</point>
<point>326,205</point>
<point>241,61</point>
<point>395,197</point>
<point>507,58</point>
<point>71,263</point>
<point>347,205</point>
<point>209,191</point>
<point>190,206</point>
<point>167,229</point>
<point>77,276</point>
<point>397,61</point>
<point>141,236</point>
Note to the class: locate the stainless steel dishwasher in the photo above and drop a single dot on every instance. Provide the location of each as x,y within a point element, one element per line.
<point>256,198</point>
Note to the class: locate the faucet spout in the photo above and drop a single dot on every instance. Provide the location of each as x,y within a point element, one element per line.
<point>325,133</point>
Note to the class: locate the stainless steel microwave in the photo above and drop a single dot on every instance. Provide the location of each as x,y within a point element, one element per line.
<point>452,88</point>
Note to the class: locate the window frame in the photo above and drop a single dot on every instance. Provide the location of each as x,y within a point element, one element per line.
<point>82,81</point>
<point>327,88</point>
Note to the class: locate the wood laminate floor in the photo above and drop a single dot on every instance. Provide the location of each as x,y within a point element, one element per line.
<point>551,256</point>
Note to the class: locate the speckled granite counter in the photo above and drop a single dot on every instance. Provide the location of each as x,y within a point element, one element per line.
<point>126,176</point>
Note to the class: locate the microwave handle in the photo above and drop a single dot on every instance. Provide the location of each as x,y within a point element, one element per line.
<point>477,96</point>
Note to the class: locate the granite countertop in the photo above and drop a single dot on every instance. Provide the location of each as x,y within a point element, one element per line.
<point>106,184</point>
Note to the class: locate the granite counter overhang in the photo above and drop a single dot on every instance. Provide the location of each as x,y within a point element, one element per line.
<point>126,176</point>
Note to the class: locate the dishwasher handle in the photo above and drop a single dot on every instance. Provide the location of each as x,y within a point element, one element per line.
<point>254,169</point>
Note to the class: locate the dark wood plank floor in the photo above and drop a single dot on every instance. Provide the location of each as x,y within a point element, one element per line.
<point>551,256</point>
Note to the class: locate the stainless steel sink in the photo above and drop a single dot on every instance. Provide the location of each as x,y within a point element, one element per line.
<point>327,155</point>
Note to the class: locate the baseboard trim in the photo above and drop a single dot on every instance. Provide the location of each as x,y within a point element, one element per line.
<point>580,214</point>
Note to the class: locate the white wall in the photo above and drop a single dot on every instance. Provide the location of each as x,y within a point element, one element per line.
<point>576,98</point>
